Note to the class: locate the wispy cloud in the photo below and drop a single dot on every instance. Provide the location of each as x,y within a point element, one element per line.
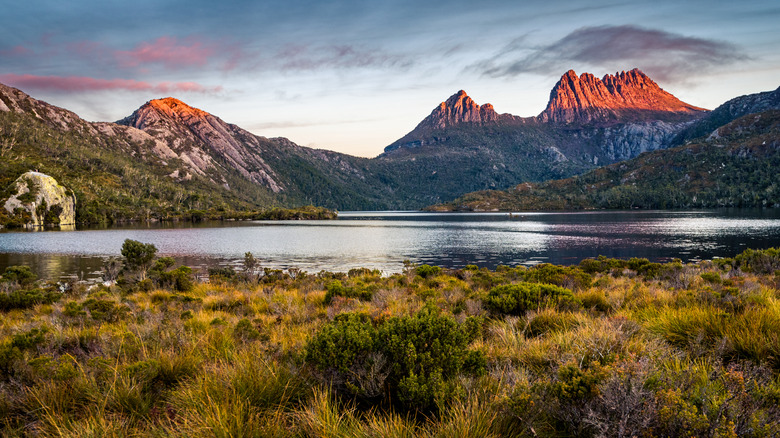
<point>307,57</point>
<point>83,83</point>
<point>664,55</point>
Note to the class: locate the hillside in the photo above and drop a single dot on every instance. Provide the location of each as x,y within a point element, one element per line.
<point>736,166</point>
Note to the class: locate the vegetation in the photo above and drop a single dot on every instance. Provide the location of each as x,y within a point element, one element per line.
<point>605,348</point>
<point>735,169</point>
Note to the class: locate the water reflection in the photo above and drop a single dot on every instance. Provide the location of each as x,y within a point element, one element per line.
<point>383,240</point>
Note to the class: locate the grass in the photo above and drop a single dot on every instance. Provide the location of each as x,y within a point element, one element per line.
<point>690,350</point>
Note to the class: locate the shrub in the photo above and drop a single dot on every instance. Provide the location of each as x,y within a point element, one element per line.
<point>411,359</point>
<point>517,299</point>
<point>359,290</point>
<point>571,276</point>
<point>764,261</point>
<point>22,275</point>
<point>428,271</point>
<point>25,299</point>
<point>138,256</point>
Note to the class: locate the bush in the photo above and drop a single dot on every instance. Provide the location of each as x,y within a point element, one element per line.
<point>359,290</point>
<point>21,275</point>
<point>411,359</point>
<point>25,299</point>
<point>764,261</point>
<point>138,256</point>
<point>428,271</point>
<point>517,299</point>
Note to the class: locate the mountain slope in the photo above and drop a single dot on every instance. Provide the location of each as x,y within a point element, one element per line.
<point>117,172</point>
<point>735,167</point>
<point>729,111</point>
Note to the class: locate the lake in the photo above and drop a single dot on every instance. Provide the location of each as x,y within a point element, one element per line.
<point>383,240</point>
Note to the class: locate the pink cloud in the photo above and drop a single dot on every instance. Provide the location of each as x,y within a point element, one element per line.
<point>15,51</point>
<point>168,51</point>
<point>82,83</point>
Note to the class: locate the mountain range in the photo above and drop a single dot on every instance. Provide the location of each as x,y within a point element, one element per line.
<point>167,157</point>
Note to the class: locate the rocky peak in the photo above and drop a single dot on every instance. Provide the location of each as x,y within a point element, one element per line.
<point>459,108</point>
<point>626,96</point>
<point>198,137</point>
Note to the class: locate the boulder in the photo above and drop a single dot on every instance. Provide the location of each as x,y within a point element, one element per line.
<point>43,199</point>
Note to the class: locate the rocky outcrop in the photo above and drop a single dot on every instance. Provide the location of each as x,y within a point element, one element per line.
<point>625,97</point>
<point>184,129</point>
<point>40,200</point>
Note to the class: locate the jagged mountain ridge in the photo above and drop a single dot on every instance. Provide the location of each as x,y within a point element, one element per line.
<point>588,122</point>
<point>624,96</point>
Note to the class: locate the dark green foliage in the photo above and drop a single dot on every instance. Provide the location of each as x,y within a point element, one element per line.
<point>179,279</point>
<point>517,299</point>
<point>415,358</point>
<point>568,276</point>
<point>764,261</point>
<point>22,275</point>
<point>246,331</point>
<point>711,277</point>
<point>427,271</point>
<point>138,256</point>
<point>358,290</point>
<point>226,274</point>
<point>27,298</point>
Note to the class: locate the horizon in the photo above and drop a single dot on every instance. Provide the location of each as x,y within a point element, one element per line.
<point>354,78</point>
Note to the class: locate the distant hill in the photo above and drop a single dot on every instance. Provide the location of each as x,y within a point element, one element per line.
<point>735,166</point>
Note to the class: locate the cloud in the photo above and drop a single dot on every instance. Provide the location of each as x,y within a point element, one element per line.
<point>168,51</point>
<point>305,57</point>
<point>663,55</point>
<point>82,83</point>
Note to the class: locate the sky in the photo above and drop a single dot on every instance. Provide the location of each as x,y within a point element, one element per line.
<point>354,76</point>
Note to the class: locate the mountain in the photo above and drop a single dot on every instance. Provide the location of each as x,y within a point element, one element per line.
<point>623,97</point>
<point>729,111</point>
<point>588,122</point>
<point>169,159</point>
<point>735,166</point>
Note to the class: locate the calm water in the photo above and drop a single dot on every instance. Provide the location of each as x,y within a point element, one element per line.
<point>382,240</point>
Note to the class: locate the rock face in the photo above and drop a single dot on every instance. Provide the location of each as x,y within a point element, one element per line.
<point>183,128</point>
<point>43,199</point>
<point>625,96</point>
<point>459,108</point>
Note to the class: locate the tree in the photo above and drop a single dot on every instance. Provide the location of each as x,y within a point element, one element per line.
<point>138,256</point>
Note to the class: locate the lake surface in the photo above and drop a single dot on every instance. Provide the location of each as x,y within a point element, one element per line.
<point>383,240</point>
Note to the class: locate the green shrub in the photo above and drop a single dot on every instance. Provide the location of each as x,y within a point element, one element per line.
<point>22,275</point>
<point>765,261</point>
<point>25,299</point>
<point>359,290</point>
<point>711,277</point>
<point>570,276</point>
<point>428,271</point>
<point>411,359</point>
<point>226,274</point>
<point>517,299</point>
